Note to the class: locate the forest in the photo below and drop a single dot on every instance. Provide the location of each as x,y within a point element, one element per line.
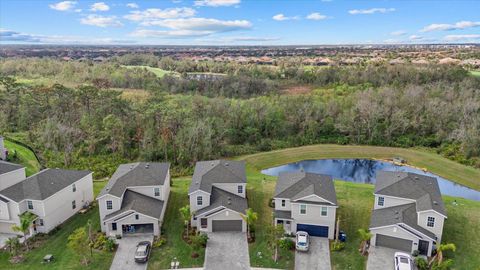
<point>82,115</point>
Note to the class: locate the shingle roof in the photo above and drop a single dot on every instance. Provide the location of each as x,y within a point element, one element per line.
<point>43,184</point>
<point>396,215</point>
<point>217,171</point>
<point>424,189</point>
<point>134,201</point>
<point>136,174</point>
<point>6,167</point>
<point>222,198</point>
<point>296,185</point>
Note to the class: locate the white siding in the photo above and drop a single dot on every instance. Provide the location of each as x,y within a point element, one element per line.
<point>5,225</point>
<point>398,232</point>
<point>4,212</point>
<point>314,217</point>
<point>439,220</point>
<point>149,191</point>
<point>225,214</point>
<point>11,178</point>
<point>129,220</point>
<point>278,204</point>
<point>193,200</point>
<point>102,205</point>
<point>232,188</point>
<point>390,201</point>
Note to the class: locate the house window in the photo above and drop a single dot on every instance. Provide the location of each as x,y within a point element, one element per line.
<point>430,221</point>
<point>114,226</point>
<point>324,211</point>
<point>156,191</point>
<point>199,200</point>
<point>30,205</point>
<point>381,201</point>
<point>303,209</point>
<point>74,205</point>
<point>283,203</point>
<point>40,222</point>
<point>137,217</point>
<point>74,188</point>
<point>203,223</point>
<point>109,205</point>
<point>240,189</point>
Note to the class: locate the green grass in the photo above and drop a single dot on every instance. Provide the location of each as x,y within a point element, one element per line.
<point>173,228</point>
<point>24,157</point>
<point>475,73</point>
<point>157,71</point>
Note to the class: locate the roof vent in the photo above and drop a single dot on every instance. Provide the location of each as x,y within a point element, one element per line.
<point>51,183</point>
<point>226,163</point>
<point>435,202</point>
<point>416,177</point>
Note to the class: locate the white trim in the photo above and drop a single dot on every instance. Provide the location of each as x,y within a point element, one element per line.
<point>396,225</point>
<point>315,196</point>
<point>300,209</point>
<point>389,196</point>
<point>227,209</point>
<point>132,212</point>
<point>98,198</point>
<point>432,210</point>
<point>199,190</point>
<point>209,211</point>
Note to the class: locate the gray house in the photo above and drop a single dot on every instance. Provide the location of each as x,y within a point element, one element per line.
<point>306,202</point>
<point>135,199</point>
<point>408,213</point>
<point>218,196</point>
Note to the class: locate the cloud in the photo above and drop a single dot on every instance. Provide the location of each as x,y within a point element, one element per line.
<point>281,17</point>
<point>14,36</point>
<point>448,27</point>
<point>316,16</point>
<point>155,14</point>
<point>398,33</point>
<point>100,21</point>
<point>370,11</point>
<point>216,3</point>
<point>392,41</point>
<point>467,37</point>
<point>132,5</point>
<point>100,6</point>
<point>246,39</point>
<point>63,6</point>
<point>415,37</point>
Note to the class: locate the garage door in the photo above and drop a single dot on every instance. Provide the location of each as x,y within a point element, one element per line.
<point>138,228</point>
<point>313,230</point>
<point>394,242</point>
<point>226,225</point>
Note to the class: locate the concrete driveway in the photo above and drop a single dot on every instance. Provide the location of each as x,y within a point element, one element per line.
<point>124,257</point>
<point>317,258</point>
<point>227,251</point>
<point>380,258</point>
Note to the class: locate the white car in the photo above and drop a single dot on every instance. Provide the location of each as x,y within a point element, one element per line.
<point>403,261</point>
<point>302,242</point>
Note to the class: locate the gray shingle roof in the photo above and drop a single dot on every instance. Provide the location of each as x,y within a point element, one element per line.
<point>134,201</point>
<point>406,214</point>
<point>217,171</point>
<point>423,189</point>
<point>222,198</point>
<point>6,167</point>
<point>43,184</point>
<point>135,174</point>
<point>296,185</point>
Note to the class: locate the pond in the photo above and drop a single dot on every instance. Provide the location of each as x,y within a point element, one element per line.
<point>364,171</point>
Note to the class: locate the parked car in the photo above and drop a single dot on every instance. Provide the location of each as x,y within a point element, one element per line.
<point>302,241</point>
<point>403,261</point>
<point>143,251</point>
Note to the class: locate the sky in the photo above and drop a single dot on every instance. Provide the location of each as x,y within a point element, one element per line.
<point>238,22</point>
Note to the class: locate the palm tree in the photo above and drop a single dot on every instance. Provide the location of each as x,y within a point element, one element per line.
<point>26,220</point>
<point>365,235</point>
<point>438,258</point>
<point>250,217</point>
<point>12,243</point>
<point>186,215</point>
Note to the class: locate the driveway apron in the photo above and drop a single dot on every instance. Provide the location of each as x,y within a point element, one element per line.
<point>227,251</point>
<point>125,256</point>
<point>317,258</point>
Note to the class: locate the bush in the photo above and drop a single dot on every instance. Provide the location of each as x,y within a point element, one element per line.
<point>286,243</point>
<point>415,253</point>
<point>421,263</point>
<point>159,242</point>
<point>110,244</point>
<point>199,240</point>
<point>99,241</point>
<point>338,246</point>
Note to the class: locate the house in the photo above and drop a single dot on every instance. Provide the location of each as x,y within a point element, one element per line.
<point>10,174</point>
<point>306,202</point>
<point>53,195</point>
<point>218,196</point>
<point>135,199</point>
<point>408,214</point>
<point>3,150</point>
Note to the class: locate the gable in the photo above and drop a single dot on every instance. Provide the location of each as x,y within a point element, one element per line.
<point>313,198</point>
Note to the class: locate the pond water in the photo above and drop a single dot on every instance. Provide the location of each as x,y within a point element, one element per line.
<point>364,171</point>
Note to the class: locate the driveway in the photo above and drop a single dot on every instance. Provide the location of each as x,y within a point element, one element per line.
<point>124,257</point>
<point>380,258</point>
<point>317,258</point>
<point>227,251</point>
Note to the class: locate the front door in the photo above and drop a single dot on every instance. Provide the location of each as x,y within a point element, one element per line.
<point>423,247</point>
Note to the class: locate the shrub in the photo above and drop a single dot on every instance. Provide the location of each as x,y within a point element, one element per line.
<point>199,240</point>
<point>415,253</point>
<point>110,244</point>
<point>286,243</point>
<point>99,241</point>
<point>159,242</point>
<point>421,263</point>
<point>338,246</point>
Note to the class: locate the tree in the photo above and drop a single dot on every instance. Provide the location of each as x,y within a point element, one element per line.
<point>274,234</point>
<point>250,218</point>
<point>186,216</point>
<point>438,259</point>
<point>78,242</point>
<point>365,236</point>
<point>12,244</point>
<point>26,220</point>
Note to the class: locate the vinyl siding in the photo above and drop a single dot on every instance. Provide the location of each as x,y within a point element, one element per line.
<point>313,217</point>
<point>232,188</point>
<point>395,231</point>
<point>439,220</point>
<point>193,200</point>
<point>390,201</point>
<point>278,204</point>
<point>11,178</point>
<point>102,204</point>
<point>222,215</point>
<point>129,220</point>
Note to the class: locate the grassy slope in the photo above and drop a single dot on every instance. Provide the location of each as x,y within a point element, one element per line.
<point>25,157</point>
<point>433,162</point>
<point>475,73</point>
<point>157,71</point>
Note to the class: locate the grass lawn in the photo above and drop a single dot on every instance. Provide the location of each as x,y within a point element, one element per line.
<point>173,228</point>
<point>475,73</point>
<point>24,156</point>
<point>157,71</point>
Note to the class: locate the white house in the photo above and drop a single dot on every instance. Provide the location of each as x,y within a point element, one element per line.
<point>218,196</point>
<point>135,199</point>
<point>10,174</point>
<point>306,202</point>
<point>408,213</point>
<point>53,195</point>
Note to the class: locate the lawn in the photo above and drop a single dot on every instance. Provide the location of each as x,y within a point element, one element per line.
<point>475,73</point>
<point>24,157</point>
<point>157,71</point>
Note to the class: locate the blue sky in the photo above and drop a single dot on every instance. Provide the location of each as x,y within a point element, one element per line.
<point>238,22</point>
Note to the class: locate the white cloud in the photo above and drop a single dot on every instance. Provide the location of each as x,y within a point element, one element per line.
<point>467,37</point>
<point>216,3</point>
<point>392,41</point>
<point>14,36</point>
<point>100,6</point>
<point>78,10</point>
<point>415,37</point>
<point>447,27</point>
<point>155,14</point>
<point>281,17</point>
<point>132,5</point>
<point>63,6</point>
<point>398,33</point>
<point>370,11</point>
<point>316,16</point>
<point>169,33</point>
<point>246,39</point>
<point>100,21</point>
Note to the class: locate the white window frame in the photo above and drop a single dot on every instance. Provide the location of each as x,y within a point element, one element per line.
<point>111,205</point>
<point>240,189</point>
<point>156,191</point>
<point>382,201</point>
<point>74,188</point>
<point>201,200</point>
<point>40,222</point>
<point>29,205</point>
<point>431,220</point>
<point>304,209</point>
<point>321,211</point>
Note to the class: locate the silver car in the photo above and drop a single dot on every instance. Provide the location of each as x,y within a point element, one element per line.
<point>302,241</point>
<point>143,251</point>
<point>403,261</point>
